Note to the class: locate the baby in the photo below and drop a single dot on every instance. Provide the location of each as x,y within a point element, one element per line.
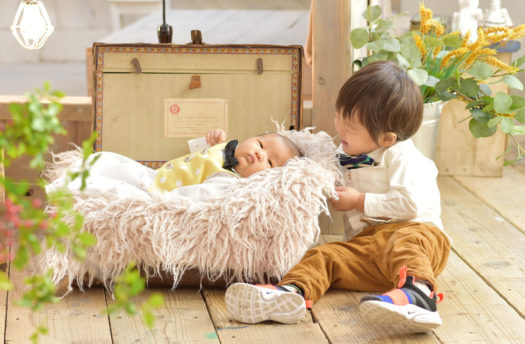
<point>197,175</point>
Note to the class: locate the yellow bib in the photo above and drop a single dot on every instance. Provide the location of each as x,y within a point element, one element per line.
<point>190,169</point>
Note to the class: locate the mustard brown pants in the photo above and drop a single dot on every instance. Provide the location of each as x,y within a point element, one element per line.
<point>371,260</point>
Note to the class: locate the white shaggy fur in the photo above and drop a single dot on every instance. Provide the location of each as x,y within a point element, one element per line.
<point>258,230</point>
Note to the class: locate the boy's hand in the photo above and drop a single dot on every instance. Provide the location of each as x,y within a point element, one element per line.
<point>215,137</point>
<point>349,199</point>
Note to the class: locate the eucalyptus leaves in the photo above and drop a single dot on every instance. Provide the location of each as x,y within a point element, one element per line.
<point>446,66</point>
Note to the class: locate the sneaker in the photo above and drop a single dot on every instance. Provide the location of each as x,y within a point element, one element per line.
<point>252,304</point>
<point>407,308</point>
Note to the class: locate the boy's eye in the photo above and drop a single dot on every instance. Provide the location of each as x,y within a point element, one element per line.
<point>260,144</point>
<point>269,162</point>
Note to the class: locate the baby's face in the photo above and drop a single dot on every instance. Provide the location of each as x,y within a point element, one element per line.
<point>261,152</point>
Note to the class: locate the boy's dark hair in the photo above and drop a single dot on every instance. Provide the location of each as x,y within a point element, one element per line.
<point>384,98</point>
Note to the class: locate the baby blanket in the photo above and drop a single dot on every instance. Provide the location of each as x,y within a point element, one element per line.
<point>256,231</point>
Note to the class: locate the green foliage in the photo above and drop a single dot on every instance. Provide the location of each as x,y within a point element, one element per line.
<point>29,133</point>
<point>128,286</point>
<point>447,67</point>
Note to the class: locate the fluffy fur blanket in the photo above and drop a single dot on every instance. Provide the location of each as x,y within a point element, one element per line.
<point>258,230</point>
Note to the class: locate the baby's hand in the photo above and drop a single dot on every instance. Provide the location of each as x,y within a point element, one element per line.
<point>215,137</point>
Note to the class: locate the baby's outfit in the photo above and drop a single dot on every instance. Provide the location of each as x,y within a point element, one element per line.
<point>197,175</point>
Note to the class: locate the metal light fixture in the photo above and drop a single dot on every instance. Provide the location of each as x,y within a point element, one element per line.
<point>164,31</point>
<point>31,26</point>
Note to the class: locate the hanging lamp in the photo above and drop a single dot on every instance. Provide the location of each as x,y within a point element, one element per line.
<point>31,26</point>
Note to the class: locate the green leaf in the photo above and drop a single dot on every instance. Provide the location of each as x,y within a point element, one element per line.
<point>359,37</point>
<point>431,81</point>
<point>519,61</point>
<point>479,129</point>
<point>372,13</point>
<point>375,45</point>
<point>444,95</point>
<point>384,25</point>
<point>418,75</point>
<point>5,283</point>
<point>453,41</point>
<point>87,239</point>
<point>502,102</point>
<point>392,45</point>
<point>149,318</point>
<point>21,257</point>
<point>494,121</point>
<point>480,115</point>
<point>513,82</point>
<point>517,102</point>
<point>403,62</point>
<point>156,300</point>
<point>507,125</point>
<point>433,42</point>
<point>468,87</point>
<point>410,51</point>
<point>481,70</point>
<point>445,84</point>
<point>520,116</point>
<point>518,130</point>
<point>38,124</point>
<point>485,89</point>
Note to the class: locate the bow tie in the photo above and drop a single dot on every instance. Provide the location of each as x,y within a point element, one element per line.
<point>352,161</point>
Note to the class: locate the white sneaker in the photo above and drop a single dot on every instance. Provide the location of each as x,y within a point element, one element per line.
<point>251,304</point>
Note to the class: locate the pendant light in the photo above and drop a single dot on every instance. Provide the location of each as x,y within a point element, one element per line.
<point>31,26</point>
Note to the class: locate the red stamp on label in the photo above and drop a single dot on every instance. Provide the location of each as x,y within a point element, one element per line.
<point>174,109</point>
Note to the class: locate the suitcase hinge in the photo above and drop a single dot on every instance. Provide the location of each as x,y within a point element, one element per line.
<point>195,82</point>
<point>136,64</point>
<point>260,68</point>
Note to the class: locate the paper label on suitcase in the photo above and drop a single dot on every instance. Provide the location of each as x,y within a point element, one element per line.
<point>193,117</point>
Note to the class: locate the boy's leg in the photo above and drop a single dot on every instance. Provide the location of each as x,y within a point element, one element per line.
<point>413,255</point>
<point>345,265</point>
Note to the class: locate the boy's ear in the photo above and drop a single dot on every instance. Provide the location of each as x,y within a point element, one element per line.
<point>387,139</point>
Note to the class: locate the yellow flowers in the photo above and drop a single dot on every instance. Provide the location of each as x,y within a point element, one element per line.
<point>464,56</point>
<point>427,23</point>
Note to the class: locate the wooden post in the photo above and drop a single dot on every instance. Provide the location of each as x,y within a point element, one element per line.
<point>331,58</point>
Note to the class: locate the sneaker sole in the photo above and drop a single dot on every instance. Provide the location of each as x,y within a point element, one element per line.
<point>249,304</point>
<point>409,318</point>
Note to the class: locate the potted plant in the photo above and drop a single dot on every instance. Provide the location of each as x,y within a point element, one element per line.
<point>446,67</point>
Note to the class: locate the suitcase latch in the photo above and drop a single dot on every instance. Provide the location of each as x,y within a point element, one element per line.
<point>136,64</point>
<point>260,68</point>
<point>195,82</point>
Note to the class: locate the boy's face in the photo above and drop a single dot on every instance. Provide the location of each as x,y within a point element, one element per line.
<point>261,152</point>
<point>355,138</point>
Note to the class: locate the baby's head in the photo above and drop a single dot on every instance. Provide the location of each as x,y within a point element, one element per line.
<point>264,151</point>
<point>376,107</point>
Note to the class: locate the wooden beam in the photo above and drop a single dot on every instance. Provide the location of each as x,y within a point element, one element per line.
<point>331,58</point>
<point>74,108</point>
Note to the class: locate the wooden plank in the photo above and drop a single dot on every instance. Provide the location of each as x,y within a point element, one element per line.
<point>491,190</point>
<point>231,331</point>
<point>489,244</point>
<point>77,318</point>
<point>3,303</point>
<point>74,108</point>
<point>331,58</point>
<point>473,312</point>
<point>338,315</point>
<point>183,319</point>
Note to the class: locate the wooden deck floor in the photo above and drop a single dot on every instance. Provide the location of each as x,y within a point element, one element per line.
<point>483,284</point>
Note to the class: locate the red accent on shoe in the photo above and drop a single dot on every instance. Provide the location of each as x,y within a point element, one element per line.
<point>309,304</point>
<point>402,276</point>
<point>439,298</point>
<point>398,297</point>
<point>267,286</point>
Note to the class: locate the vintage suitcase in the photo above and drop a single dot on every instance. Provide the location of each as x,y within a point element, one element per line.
<point>150,99</point>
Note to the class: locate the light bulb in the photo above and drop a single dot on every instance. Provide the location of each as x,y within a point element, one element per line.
<point>31,25</point>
